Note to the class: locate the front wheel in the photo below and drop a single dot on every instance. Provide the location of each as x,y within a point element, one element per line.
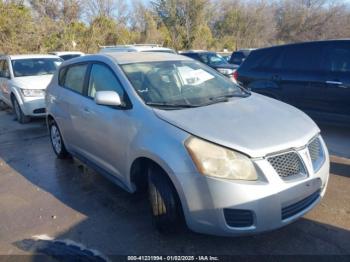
<point>20,116</point>
<point>57,141</point>
<point>165,204</point>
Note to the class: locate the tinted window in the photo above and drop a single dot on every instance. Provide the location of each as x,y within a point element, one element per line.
<point>337,58</point>
<point>103,79</point>
<point>301,58</point>
<point>74,78</point>
<point>35,66</point>
<point>237,58</point>
<point>263,59</point>
<point>67,57</point>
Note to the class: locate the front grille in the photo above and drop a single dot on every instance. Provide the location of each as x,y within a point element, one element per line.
<point>316,153</point>
<point>297,207</point>
<point>238,217</point>
<point>288,165</point>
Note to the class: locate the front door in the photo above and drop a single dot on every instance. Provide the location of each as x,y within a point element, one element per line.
<point>104,130</point>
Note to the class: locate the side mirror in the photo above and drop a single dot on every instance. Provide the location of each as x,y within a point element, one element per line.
<point>107,98</point>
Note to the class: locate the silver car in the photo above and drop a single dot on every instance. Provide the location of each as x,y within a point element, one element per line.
<point>212,155</point>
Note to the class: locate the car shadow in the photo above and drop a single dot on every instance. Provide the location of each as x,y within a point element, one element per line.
<point>114,222</point>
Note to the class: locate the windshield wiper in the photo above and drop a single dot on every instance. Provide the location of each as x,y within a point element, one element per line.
<point>160,104</point>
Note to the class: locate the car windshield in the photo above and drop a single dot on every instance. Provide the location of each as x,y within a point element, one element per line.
<point>212,59</point>
<point>180,83</point>
<point>35,66</point>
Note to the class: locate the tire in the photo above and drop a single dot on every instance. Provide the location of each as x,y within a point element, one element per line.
<point>165,205</point>
<point>57,142</point>
<point>20,116</point>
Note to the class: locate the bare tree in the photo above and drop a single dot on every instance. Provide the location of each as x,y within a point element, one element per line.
<point>117,9</point>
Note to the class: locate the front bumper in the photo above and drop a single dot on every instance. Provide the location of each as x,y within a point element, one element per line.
<point>33,106</point>
<point>272,202</point>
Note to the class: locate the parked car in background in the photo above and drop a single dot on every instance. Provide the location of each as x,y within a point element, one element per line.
<point>213,60</point>
<point>225,55</point>
<point>238,57</point>
<point>137,48</point>
<point>313,76</point>
<point>23,81</point>
<point>66,55</point>
<point>225,160</point>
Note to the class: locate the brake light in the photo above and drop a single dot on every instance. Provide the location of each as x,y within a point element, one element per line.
<point>235,75</point>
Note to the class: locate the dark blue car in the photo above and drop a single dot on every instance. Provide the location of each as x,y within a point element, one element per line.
<point>313,76</point>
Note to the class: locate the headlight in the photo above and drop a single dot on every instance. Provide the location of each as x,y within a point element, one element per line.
<point>33,92</point>
<point>225,71</point>
<point>216,161</point>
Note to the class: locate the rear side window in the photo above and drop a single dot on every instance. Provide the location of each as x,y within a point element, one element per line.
<point>337,58</point>
<point>74,77</point>
<point>264,59</point>
<point>301,57</point>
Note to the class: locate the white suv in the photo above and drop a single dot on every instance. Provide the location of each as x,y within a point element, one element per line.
<point>23,81</point>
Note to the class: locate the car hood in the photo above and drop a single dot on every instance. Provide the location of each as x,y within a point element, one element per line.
<point>256,125</point>
<point>33,82</point>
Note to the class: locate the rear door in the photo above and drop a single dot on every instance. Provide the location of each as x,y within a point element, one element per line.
<point>337,69</point>
<point>299,76</point>
<point>71,103</point>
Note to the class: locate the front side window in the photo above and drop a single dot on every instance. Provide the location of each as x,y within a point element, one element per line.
<point>35,66</point>
<point>188,83</point>
<point>74,77</point>
<point>103,79</point>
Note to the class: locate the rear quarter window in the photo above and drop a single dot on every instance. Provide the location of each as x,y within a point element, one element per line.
<point>61,76</point>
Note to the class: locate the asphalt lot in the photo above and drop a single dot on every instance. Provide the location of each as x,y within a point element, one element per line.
<point>60,199</point>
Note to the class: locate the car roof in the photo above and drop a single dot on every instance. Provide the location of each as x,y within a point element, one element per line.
<point>30,56</point>
<point>304,43</point>
<point>134,57</point>
<point>140,48</point>
<point>58,53</point>
<point>130,57</point>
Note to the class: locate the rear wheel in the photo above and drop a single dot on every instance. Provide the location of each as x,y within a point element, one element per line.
<point>20,116</point>
<point>165,204</point>
<point>57,141</point>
